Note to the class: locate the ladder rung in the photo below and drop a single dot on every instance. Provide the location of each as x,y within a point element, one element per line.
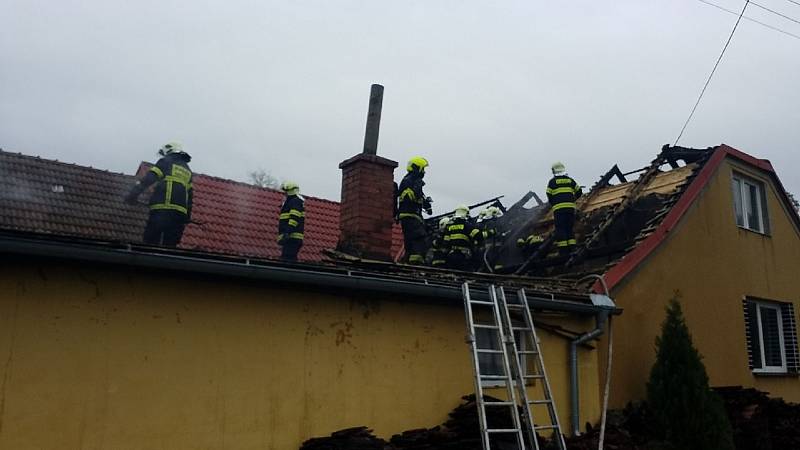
<point>503,430</point>
<point>527,352</point>
<point>533,377</point>
<point>515,306</point>
<point>521,329</point>
<point>499,404</point>
<point>540,402</point>
<point>493,377</point>
<point>545,427</point>
<point>486,350</point>
<point>481,302</point>
<point>487,327</point>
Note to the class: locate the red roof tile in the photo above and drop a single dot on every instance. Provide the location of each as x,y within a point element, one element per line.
<point>231,217</point>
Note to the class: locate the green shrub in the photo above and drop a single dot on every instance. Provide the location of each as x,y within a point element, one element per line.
<point>686,412</point>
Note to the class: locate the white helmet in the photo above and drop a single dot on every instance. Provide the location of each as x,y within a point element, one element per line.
<point>170,147</point>
<point>490,212</point>
<point>558,168</point>
<point>443,222</point>
<point>462,211</point>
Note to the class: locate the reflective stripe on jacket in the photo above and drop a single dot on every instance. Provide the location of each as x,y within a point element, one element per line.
<point>562,192</point>
<point>174,189</point>
<point>410,198</point>
<point>291,222</point>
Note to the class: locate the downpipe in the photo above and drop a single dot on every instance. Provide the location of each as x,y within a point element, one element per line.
<point>601,318</point>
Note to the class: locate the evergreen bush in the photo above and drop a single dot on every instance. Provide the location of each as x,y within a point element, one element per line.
<point>686,412</point>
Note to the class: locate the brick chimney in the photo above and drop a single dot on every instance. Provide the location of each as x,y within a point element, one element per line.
<point>367,206</point>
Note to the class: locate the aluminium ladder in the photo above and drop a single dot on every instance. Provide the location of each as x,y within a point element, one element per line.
<point>502,330</point>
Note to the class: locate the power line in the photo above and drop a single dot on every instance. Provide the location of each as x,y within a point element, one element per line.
<point>776,12</point>
<point>766,25</point>
<point>736,25</point>
<point>793,1</point>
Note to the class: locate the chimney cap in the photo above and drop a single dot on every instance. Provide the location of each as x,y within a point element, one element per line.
<point>375,159</point>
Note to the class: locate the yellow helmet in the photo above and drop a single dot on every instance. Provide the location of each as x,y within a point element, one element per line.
<point>290,187</point>
<point>417,163</point>
<point>558,168</point>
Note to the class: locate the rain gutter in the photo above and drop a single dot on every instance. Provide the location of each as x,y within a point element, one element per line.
<point>317,276</point>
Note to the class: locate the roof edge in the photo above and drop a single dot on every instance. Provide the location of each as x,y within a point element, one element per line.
<point>632,260</point>
<point>312,276</point>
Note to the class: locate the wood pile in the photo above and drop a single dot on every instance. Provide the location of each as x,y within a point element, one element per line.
<point>760,422</point>
<point>358,438</point>
<point>461,431</point>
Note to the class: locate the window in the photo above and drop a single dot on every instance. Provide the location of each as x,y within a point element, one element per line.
<point>771,336</point>
<point>749,203</point>
<point>492,364</point>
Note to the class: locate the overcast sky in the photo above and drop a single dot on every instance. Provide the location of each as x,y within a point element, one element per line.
<point>491,92</point>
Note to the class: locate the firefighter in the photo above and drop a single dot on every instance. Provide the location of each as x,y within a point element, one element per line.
<point>530,244</point>
<point>171,201</point>
<point>562,192</point>
<point>291,221</point>
<point>411,201</point>
<point>439,257</point>
<point>490,237</point>
<point>459,236</point>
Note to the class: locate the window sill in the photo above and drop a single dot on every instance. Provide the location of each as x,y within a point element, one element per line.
<point>776,374</point>
<point>760,233</point>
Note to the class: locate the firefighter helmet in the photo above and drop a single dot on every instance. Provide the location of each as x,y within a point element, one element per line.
<point>443,222</point>
<point>170,147</point>
<point>417,163</point>
<point>558,168</point>
<point>462,211</point>
<point>290,188</point>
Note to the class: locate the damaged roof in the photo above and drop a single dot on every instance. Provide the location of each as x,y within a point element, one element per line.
<point>619,225</point>
<point>50,197</point>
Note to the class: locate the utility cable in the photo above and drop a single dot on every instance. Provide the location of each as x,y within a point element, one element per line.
<point>775,12</point>
<point>793,1</point>
<point>705,86</point>
<point>766,25</point>
<point>607,386</point>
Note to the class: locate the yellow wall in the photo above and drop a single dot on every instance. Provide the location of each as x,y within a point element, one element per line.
<point>712,264</point>
<point>112,358</point>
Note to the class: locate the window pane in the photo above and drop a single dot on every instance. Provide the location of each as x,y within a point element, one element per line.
<point>491,363</point>
<point>737,202</point>
<point>770,332</point>
<point>753,216</point>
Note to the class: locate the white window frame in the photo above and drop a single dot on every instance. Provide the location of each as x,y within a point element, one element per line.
<point>744,198</point>
<point>783,368</point>
<point>523,359</point>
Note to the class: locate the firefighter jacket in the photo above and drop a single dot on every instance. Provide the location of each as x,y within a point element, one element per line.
<point>562,192</point>
<point>439,248</point>
<point>174,189</point>
<point>411,200</point>
<point>292,219</point>
<point>460,234</point>
<point>489,234</point>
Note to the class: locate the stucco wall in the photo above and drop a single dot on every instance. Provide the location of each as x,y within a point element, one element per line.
<point>119,358</point>
<point>711,264</point>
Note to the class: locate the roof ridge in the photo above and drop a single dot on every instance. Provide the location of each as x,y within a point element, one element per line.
<point>253,186</point>
<point>248,185</point>
<point>61,163</point>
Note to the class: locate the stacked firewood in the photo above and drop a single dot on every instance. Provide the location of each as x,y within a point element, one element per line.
<point>760,422</point>
<point>358,438</point>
